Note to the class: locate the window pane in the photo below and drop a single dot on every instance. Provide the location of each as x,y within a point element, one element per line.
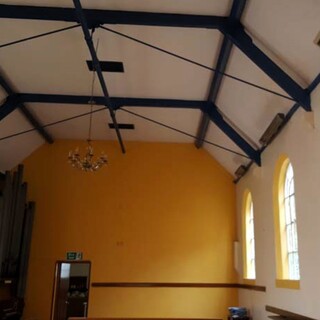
<point>293,208</point>
<point>296,266</point>
<point>251,273</point>
<point>291,186</point>
<point>287,211</point>
<point>289,238</point>
<point>295,239</point>
<point>290,225</point>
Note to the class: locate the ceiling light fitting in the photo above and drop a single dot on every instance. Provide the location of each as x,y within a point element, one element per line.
<point>272,129</point>
<point>88,162</point>
<point>240,171</point>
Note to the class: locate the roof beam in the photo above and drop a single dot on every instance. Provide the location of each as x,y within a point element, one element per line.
<point>231,28</point>
<point>287,118</point>
<point>218,120</point>
<point>97,67</point>
<point>96,17</point>
<point>11,104</point>
<point>205,106</point>
<point>224,54</point>
<point>117,102</point>
<point>237,34</point>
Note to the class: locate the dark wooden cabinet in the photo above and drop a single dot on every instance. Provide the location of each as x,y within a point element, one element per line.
<point>76,306</point>
<point>77,300</point>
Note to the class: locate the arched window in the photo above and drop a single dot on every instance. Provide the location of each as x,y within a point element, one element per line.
<point>248,238</point>
<point>286,235</point>
<point>291,225</point>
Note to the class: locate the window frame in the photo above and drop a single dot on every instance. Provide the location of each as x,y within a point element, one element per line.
<point>249,261</point>
<point>283,279</point>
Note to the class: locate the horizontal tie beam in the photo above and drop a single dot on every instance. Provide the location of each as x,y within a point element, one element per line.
<point>117,102</point>
<point>234,31</point>
<point>96,17</point>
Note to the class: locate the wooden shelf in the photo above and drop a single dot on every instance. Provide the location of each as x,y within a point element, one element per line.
<point>284,314</point>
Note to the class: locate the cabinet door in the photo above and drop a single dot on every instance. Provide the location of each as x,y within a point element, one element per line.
<point>76,307</point>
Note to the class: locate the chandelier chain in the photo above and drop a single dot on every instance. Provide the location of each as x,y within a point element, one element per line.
<point>92,93</point>
<point>88,162</point>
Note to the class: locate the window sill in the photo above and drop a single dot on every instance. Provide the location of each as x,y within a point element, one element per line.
<point>251,282</point>
<point>288,284</point>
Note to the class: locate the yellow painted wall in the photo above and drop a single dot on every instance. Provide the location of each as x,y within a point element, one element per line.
<point>161,213</point>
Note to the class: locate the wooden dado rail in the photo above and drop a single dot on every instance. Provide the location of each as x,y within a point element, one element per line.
<point>285,315</point>
<point>141,319</point>
<point>176,285</point>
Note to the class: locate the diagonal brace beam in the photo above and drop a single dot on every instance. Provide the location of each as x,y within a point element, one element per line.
<point>97,67</point>
<point>9,105</point>
<point>12,103</point>
<point>218,120</point>
<point>214,89</point>
<point>237,34</point>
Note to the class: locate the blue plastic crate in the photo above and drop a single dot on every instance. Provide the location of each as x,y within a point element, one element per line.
<point>236,312</point>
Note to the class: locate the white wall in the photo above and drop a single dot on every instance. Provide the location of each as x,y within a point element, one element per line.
<point>301,142</point>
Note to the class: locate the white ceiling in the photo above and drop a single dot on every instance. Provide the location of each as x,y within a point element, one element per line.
<point>284,29</point>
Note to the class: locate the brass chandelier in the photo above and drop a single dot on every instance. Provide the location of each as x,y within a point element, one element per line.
<point>86,163</point>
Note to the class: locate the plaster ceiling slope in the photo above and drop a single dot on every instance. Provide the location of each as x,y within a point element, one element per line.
<point>288,28</point>
<point>56,64</point>
<point>13,151</point>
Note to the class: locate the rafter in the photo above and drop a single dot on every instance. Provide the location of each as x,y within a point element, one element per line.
<point>287,118</point>
<point>8,106</point>
<point>232,29</point>
<point>219,121</point>
<point>222,62</point>
<point>97,68</point>
<point>11,103</point>
<point>237,34</point>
